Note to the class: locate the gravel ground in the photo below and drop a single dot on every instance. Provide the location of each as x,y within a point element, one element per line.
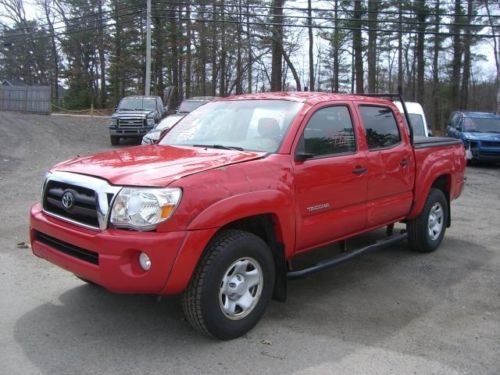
<point>390,312</point>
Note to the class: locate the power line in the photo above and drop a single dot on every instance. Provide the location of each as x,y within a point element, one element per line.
<point>69,26</point>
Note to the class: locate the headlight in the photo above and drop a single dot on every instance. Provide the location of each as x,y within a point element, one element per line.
<point>144,208</point>
<point>114,121</point>
<point>150,121</point>
<point>44,183</point>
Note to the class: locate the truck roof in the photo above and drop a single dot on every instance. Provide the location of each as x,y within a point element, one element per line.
<point>310,97</point>
<point>141,96</point>
<point>480,114</point>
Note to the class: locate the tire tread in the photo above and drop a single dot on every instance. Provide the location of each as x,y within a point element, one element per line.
<point>191,299</point>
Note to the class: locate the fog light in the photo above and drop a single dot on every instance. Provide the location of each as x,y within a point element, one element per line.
<point>144,261</point>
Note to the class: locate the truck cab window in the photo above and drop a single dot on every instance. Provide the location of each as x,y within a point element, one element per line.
<point>328,132</point>
<point>381,127</point>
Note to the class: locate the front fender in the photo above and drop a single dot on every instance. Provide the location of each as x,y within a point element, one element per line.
<point>205,225</point>
<point>240,206</point>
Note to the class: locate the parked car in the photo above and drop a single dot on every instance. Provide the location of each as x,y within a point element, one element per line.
<point>165,125</point>
<point>135,116</point>
<point>480,133</point>
<point>223,205</point>
<point>417,118</point>
<point>190,104</point>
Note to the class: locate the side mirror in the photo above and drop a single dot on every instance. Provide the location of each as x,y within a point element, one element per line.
<point>303,156</point>
<point>430,133</point>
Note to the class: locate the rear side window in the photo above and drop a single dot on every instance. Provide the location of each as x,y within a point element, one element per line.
<point>381,127</point>
<point>328,132</point>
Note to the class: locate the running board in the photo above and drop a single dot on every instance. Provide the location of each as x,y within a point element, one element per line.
<point>328,263</point>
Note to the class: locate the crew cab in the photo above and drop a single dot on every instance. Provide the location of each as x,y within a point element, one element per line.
<point>221,208</point>
<point>134,117</point>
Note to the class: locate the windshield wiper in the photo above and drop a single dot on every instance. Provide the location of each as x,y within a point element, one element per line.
<point>222,147</point>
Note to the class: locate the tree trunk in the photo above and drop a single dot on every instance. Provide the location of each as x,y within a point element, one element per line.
<point>436,111</point>
<point>496,52</point>
<point>372,45</point>
<point>457,57</point>
<point>249,51</point>
<point>421,18</point>
<point>464,92</point>
<point>400,45</point>
<point>214,49</point>
<point>174,102</point>
<point>55,57</point>
<point>188,50</point>
<point>277,45</point>
<point>102,59</point>
<point>358,47</point>
<point>336,48</point>
<point>311,45</point>
<point>159,85</point>
<point>203,52</point>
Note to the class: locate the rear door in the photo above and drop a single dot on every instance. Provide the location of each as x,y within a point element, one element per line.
<point>330,186</point>
<point>390,163</point>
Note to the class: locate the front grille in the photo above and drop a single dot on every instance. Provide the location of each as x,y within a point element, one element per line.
<point>490,144</point>
<point>66,248</point>
<point>84,206</point>
<point>492,155</point>
<point>130,122</point>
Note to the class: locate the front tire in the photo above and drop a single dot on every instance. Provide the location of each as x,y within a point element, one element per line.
<point>231,287</point>
<point>115,140</point>
<point>426,232</point>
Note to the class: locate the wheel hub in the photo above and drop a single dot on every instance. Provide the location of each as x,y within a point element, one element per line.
<point>241,288</point>
<point>236,286</point>
<point>435,221</point>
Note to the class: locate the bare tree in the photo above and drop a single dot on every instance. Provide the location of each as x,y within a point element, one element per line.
<point>496,52</point>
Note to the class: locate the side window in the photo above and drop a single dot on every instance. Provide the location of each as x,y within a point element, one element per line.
<point>328,132</point>
<point>381,127</point>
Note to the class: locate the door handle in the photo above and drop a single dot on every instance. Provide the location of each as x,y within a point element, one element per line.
<point>359,170</point>
<point>404,162</point>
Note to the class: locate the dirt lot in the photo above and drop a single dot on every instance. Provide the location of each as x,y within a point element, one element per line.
<point>390,312</point>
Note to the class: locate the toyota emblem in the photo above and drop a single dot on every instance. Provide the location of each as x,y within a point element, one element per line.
<point>68,200</point>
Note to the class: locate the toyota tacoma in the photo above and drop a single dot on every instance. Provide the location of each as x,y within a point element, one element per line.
<point>223,206</point>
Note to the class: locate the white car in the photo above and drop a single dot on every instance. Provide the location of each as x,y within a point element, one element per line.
<point>166,124</point>
<point>417,118</point>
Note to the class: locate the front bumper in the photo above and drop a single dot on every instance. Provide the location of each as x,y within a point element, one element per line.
<point>108,258</point>
<point>129,132</point>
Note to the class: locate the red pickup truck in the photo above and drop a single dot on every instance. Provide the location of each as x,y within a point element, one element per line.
<point>236,191</point>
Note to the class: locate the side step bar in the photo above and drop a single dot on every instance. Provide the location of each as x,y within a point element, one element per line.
<point>328,263</point>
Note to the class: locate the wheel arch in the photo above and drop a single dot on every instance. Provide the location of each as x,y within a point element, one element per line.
<point>442,182</point>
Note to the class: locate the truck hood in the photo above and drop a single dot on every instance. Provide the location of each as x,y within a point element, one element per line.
<point>135,113</point>
<point>153,165</point>
<point>473,136</point>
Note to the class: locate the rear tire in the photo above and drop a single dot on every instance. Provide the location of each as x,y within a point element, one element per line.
<point>115,140</point>
<point>231,286</point>
<point>426,232</point>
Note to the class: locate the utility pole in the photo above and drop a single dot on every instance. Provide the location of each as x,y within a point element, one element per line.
<point>147,83</point>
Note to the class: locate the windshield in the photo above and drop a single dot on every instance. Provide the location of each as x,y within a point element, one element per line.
<point>481,125</point>
<point>190,105</point>
<point>256,125</point>
<point>417,123</point>
<point>134,104</point>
